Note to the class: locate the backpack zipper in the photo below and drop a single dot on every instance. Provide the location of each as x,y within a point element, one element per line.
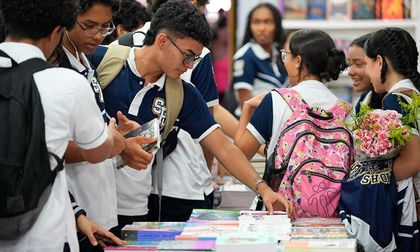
<point>295,172</point>
<point>322,140</point>
<point>317,174</point>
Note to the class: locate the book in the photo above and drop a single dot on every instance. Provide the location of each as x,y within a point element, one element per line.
<point>317,9</point>
<point>326,245</point>
<point>180,245</point>
<point>338,9</point>
<point>129,248</point>
<point>363,9</point>
<point>149,235</point>
<point>149,129</point>
<point>246,242</point>
<point>213,214</point>
<point>390,9</point>
<point>295,9</point>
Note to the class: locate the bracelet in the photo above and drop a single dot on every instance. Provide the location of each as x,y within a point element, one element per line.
<point>257,184</point>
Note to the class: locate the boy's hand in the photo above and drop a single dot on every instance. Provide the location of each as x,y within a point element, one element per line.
<point>119,140</point>
<point>125,125</point>
<point>134,156</point>
<point>274,201</point>
<point>97,234</point>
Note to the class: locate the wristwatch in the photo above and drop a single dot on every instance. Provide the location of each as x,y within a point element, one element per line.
<point>257,184</point>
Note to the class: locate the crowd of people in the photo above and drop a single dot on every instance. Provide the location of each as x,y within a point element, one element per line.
<point>90,108</point>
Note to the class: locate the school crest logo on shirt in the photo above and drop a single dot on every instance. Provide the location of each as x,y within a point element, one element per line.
<point>159,109</point>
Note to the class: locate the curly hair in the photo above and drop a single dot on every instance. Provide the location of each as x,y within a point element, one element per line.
<point>318,53</point>
<point>130,15</point>
<point>36,19</point>
<point>181,19</point>
<point>85,5</point>
<point>399,48</point>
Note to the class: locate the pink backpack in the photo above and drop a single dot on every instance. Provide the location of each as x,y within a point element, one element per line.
<point>315,150</point>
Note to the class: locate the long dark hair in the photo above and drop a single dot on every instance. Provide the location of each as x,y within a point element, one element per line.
<point>399,48</point>
<point>278,32</point>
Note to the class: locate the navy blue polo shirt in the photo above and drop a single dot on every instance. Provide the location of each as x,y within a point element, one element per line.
<point>256,70</point>
<point>128,94</point>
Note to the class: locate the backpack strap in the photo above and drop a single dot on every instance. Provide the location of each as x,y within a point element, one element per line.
<point>174,96</point>
<point>292,98</point>
<point>112,63</point>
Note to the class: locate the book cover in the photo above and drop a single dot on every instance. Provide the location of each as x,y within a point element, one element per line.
<point>149,235</point>
<point>244,242</point>
<point>183,245</point>
<point>149,129</point>
<point>295,9</point>
<point>363,9</point>
<point>332,245</point>
<point>213,214</point>
<point>390,9</point>
<point>339,9</point>
<point>317,9</point>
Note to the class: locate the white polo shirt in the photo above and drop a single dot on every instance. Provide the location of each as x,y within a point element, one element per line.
<point>93,185</point>
<point>70,114</point>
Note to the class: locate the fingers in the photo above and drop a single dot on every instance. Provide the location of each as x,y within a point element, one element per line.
<point>121,117</point>
<point>91,238</point>
<point>108,237</point>
<point>144,140</point>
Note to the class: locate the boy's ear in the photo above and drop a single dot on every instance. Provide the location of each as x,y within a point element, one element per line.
<point>161,39</point>
<point>379,59</point>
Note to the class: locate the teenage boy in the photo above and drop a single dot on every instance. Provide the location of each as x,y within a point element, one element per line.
<point>69,108</point>
<point>177,34</point>
<point>92,185</point>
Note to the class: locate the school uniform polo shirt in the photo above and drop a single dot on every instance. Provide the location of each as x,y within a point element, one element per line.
<point>93,185</point>
<point>256,70</point>
<point>185,171</point>
<point>273,112</point>
<point>142,103</point>
<point>70,114</point>
<point>187,162</point>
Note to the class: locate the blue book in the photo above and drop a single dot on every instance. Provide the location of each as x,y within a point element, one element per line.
<point>317,9</point>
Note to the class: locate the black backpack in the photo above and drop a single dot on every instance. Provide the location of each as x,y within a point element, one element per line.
<point>25,173</point>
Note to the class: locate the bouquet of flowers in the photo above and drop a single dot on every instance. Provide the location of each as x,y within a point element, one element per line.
<point>379,134</point>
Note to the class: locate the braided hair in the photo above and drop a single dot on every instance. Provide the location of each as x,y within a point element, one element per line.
<point>399,48</point>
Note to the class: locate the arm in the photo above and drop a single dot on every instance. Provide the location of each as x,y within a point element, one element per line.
<point>237,164</point>
<point>244,95</point>
<point>227,121</point>
<point>114,144</point>
<point>407,164</point>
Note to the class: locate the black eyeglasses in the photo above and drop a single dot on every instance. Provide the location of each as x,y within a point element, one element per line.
<point>92,31</point>
<point>188,59</point>
<point>284,54</point>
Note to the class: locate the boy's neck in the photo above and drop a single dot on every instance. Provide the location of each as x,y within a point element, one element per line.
<point>146,65</point>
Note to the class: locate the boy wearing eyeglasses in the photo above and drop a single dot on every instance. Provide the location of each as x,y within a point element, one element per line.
<point>177,34</point>
<point>93,185</point>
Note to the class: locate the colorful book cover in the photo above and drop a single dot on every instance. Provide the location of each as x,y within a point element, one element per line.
<point>149,235</point>
<point>213,214</point>
<point>243,242</point>
<point>339,245</point>
<point>317,9</point>
<point>295,9</point>
<point>364,9</point>
<point>390,9</point>
<point>180,245</point>
<point>339,9</point>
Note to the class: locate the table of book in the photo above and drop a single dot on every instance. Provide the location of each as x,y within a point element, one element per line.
<point>234,230</point>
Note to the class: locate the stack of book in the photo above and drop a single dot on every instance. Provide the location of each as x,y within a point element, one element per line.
<point>242,231</point>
